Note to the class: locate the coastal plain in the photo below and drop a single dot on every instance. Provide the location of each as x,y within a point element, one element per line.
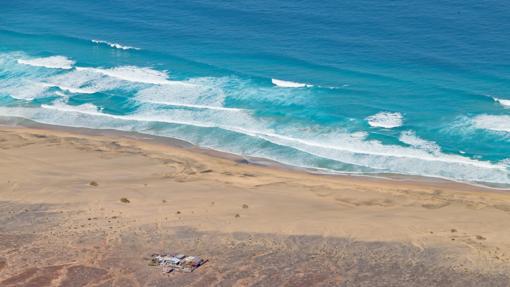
<point>89,209</point>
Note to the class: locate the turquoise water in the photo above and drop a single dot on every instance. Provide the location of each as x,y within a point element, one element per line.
<point>402,87</point>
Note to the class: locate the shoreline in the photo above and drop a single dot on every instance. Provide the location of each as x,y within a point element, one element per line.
<point>75,201</point>
<point>15,122</point>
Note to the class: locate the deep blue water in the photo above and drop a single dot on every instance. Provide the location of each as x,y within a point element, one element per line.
<point>404,87</point>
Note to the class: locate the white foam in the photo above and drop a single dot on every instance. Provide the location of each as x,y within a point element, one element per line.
<point>397,159</point>
<point>506,162</point>
<point>114,45</point>
<point>77,90</point>
<point>60,94</point>
<point>53,62</point>
<point>208,119</point>
<point>194,106</point>
<point>410,138</point>
<point>72,89</point>
<point>359,135</point>
<point>499,123</point>
<point>23,89</point>
<point>205,98</point>
<point>505,103</point>
<point>198,93</point>
<point>84,108</point>
<point>289,84</point>
<point>352,145</point>
<point>85,82</point>
<point>349,145</point>
<point>385,120</point>
<point>339,146</point>
<point>132,74</point>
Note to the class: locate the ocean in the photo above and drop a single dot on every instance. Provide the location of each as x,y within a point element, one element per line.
<point>367,87</point>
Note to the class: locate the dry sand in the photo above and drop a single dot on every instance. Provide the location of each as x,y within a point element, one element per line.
<point>62,221</point>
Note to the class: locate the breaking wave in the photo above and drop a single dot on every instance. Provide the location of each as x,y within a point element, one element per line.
<point>289,84</point>
<point>198,93</point>
<point>217,112</point>
<point>84,108</point>
<point>194,106</point>
<point>498,123</point>
<point>410,138</point>
<point>132,74</point>
<point>385,120</point>
<point>71,89</point>
<point>505,103</point>
<point>53,62</point>
<point>114,45</point>
<point>421,158</point>
<point>23,90</point>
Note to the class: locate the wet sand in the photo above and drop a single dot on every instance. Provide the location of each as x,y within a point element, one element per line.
<point>63,223</point>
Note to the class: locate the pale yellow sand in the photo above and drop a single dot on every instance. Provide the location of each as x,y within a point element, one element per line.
<point>171,186</point>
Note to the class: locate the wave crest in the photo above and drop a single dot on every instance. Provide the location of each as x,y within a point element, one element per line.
<point>53,62</point>
<point>410,138</point>
<point>505,103</point>
<point>289,84</point>
<point>198,93</point>
<point>499,123</point>
<point>132,74</point>
<point>114,45</point>
<point>84,108</point>
<point>386,120</point>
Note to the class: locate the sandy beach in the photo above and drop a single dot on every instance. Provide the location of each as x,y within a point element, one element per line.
<point>85,209</point>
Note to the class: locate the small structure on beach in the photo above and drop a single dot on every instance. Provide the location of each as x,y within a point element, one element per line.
<point>178,262</point>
